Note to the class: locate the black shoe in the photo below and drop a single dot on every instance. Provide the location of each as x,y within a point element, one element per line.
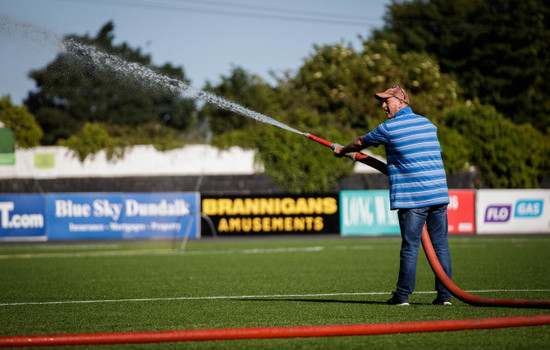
<point>439,301</point>
<point>397,301</point>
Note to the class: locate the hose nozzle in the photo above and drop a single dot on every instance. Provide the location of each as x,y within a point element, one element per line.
<point>321,141</point>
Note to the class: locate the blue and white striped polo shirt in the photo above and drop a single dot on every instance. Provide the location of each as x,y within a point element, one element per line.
<point>416,173</point>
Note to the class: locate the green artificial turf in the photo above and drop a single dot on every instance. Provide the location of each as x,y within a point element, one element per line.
<point>82,287</point>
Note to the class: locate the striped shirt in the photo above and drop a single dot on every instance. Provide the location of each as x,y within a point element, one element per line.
<point>416,173</point>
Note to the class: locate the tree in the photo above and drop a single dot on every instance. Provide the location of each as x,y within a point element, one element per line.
<point>340,83</point>
<point>506,155</point>
<point>499,50</point>
<point>22,122</point>
<point>244,88</point>
<point>71,92</point>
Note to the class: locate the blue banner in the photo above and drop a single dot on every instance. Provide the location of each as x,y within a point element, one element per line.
<point>122,215</point>
<point>367,213</point>
<point>22,216</point>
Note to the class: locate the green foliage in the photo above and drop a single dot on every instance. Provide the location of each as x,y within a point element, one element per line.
<point>498,49</point>
<point>342,82</point>
<point>298,165</point>
<point>27,131</point>
<point>506,155</point>
<point>163,138</point>
<point>114,139</point>
<point>332,96</point>
<point>92,139</point>
<point>72,92</point>
<point>456,149</point>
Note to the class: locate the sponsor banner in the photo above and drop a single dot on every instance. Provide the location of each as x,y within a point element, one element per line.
<point>513,211</point>
<point>22,217</point>
<point>122,215</point>
<point>461,211</point>
<point>367,213</point>
<point>257,215</point>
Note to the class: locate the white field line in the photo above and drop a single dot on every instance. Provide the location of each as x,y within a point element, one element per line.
<point>115,253</point>
<point>229,297</point>
<point>463,242</point>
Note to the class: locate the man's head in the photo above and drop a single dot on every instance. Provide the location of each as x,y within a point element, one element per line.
<point>393,100</point>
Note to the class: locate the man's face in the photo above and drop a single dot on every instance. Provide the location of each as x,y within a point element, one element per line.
<point>391,106</point>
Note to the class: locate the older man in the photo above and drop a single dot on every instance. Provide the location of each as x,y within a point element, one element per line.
<point>418,186</point>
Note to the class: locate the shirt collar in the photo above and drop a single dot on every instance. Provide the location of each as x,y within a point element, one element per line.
<point>403,111</point>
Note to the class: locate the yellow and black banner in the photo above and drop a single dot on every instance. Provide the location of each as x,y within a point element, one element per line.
<point>256,215</point>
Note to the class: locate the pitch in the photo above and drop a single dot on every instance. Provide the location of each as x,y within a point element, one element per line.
<point>115,286</point>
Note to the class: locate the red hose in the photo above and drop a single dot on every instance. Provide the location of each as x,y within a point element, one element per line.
<point>466,297</point>
<point>271,332</point>
<point>434,261</point>
<point>319,140</point>
<point>358,156</point>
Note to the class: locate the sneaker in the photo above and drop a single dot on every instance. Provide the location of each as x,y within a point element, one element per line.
<point>398,301</point>
<point>442,302</point>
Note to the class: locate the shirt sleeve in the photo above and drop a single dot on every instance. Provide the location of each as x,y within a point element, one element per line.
<point>377,137</point>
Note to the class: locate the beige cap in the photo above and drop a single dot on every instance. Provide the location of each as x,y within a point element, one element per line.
<point>394,91</point>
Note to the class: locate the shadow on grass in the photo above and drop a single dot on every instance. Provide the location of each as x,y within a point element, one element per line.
<point>301,300</point>
<point>318,301</point>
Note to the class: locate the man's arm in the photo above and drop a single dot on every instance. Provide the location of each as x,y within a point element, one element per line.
<point>352,147</point>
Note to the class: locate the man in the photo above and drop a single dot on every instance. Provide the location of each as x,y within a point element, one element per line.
<point>418,186</point>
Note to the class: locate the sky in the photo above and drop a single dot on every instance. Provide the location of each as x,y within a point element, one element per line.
<point>205,37</point>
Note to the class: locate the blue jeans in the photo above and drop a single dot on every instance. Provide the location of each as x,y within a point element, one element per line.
<point>411,222</point>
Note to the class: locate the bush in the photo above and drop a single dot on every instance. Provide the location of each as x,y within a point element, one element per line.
<point>506,155</point>
<point>27,131</point>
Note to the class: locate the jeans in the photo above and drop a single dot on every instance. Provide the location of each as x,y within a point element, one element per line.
<point>411,222</point>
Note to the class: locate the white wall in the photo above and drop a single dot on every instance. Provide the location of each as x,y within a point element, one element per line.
<point>139,161</point>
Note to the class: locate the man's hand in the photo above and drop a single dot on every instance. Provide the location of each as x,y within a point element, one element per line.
<point>338,150</point>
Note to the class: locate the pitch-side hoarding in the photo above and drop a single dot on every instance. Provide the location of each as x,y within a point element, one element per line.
<point>513,211</point>
<point>122,215</point>
<point>260,215</point>
<point>74,216</point>
<point>461,212</point>
<point>368,213</point>
<point>22,217</point>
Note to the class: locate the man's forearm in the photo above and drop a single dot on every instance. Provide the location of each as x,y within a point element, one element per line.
<point>354,146</point>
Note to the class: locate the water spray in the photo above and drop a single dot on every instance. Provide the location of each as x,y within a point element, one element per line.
<point>91,56</point>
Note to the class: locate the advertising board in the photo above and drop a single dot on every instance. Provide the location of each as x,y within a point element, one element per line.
<point>513,211</point>
<point>22,217</point>
<point>368,213</point>
<point>461,211</point>
<point>260,215</point>
<point>122,215</point>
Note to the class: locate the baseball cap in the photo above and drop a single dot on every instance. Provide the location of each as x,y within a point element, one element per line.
<point>395,91</point>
